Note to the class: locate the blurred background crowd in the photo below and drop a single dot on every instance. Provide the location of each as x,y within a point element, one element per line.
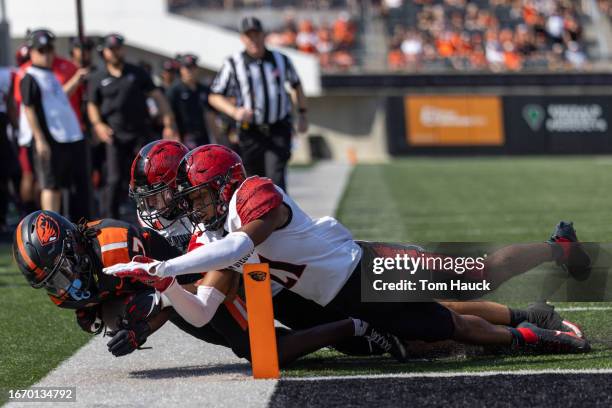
<point>418,35</point>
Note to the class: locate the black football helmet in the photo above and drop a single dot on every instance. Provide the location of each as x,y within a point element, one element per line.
<point>52,254</point>
<point>152,182</point>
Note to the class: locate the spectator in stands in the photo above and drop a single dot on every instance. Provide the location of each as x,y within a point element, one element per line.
<point>325,45</point>
<point>344,31</point>
<point>118,112</point>
<point>395,58</point>
<point>412,48</point>
<point>307,39</point>
<point>575,56</point>
<point>525,32</point>
<point>188,98</point>
<point>55,128</point>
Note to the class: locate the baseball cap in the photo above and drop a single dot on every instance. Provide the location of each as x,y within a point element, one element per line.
<point>250,24</point>
<point>75,42</point>
<point>113,40</point>
<point>40,38</point>
<point>188,60</point>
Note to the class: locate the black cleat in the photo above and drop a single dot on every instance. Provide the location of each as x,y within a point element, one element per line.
<point>387,342</point>
<point>570,253</point>
<point>544,316</point>
<point>555,341</point>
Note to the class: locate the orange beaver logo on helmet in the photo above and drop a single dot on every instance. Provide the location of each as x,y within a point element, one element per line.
<point>46,229</point>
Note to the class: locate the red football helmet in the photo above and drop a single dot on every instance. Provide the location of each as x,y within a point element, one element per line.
<point>152,182</point>
<point>214,172</point>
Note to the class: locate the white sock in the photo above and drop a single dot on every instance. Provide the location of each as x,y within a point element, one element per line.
<point>360,327</point>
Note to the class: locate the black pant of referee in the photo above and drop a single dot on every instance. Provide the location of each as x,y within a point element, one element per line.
<point>266,149</point>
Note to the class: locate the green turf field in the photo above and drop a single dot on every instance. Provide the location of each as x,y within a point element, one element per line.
<point>35,336</point>
<point>479,199</point>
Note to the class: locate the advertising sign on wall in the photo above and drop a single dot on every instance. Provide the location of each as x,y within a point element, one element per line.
<point>454,120</point>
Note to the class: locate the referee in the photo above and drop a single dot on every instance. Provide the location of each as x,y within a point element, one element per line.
<point>250,88</point>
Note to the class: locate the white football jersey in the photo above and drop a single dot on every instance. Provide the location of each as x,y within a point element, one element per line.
<point>202,238</point>
<point>313,258</point>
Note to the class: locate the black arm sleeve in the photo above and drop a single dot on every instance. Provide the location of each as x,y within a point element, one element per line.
<point>157,247</point>
<point>30,91</point>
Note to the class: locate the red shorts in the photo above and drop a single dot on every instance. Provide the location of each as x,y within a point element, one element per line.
<point>25,159</point>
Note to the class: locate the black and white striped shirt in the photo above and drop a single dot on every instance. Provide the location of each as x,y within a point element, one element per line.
<point>258,84</point>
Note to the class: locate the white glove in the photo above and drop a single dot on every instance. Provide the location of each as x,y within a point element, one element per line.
<point>139,267</point>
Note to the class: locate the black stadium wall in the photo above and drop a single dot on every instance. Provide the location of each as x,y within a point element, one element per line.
<point>491,114</point>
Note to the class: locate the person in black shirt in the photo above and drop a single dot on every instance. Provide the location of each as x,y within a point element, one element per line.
<point>189,100</point>
<point>117,109</point>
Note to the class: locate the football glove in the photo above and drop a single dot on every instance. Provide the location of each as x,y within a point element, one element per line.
<point>141,269</point>
<point>126,340</point>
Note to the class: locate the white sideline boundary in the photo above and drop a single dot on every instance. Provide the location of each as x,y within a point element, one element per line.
<point>452,374</point>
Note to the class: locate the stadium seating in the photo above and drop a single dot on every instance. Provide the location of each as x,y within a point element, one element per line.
<point>327,29</point>
<point>491,35</point>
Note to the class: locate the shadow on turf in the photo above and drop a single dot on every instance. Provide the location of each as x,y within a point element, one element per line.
<point>193,371</point>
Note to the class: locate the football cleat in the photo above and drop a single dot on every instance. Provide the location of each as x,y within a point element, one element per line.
<point>571,255</point>
<point>552,341</point>
<point>388,343</point>
<point>544,316</point>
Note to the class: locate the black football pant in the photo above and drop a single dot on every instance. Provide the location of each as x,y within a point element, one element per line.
<point>266,153</point>
<point>427,321</point>
<point>290,309</point>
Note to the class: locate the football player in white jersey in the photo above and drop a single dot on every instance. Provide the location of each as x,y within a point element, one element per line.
<point>152,185</point>
<point>317,259</point>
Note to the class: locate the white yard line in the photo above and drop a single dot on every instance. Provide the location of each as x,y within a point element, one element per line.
<point>583,308</point>
<point>452,374</point>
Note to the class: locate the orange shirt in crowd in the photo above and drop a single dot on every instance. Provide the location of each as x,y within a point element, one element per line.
<point>395,59</point>
<point>530,15</point>
<point>343,32</point>
<point>512,60</point>
<point>445,47</point>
